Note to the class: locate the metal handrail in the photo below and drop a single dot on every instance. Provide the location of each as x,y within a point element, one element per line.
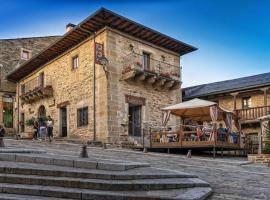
<point>135,60</point>
<point>35,83</point>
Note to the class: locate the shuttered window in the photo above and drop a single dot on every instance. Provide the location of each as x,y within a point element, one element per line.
<point>82,116</point>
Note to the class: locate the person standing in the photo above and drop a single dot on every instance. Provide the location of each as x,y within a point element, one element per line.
<point>35,129</point>
<point>50,128</point>
<point>2,134</point>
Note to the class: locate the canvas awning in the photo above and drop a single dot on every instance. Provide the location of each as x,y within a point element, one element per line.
<point>197,109</point>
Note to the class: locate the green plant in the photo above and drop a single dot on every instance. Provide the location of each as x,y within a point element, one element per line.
<point>266,148</point>
<point>43,119</point>
<point>30,122</point>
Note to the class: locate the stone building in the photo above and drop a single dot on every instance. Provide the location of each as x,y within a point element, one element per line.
<point>14,52</point>
<point>92,99</point>
<point>248,97</point>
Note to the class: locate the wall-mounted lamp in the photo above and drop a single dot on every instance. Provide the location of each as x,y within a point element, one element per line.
<point>104,62</point>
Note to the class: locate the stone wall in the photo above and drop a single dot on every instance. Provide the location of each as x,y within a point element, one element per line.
<point>117,48</point>
<point>10,59</point>
<point>259,158</point>
<point>257,99</point>
<point>71,87</point>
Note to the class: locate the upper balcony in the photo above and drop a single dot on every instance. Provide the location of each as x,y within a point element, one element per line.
<point>37,88</point>
<point>157,73</point>
<point>253,113</point>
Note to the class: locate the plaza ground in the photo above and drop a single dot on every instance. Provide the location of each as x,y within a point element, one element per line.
<point>231,178</point>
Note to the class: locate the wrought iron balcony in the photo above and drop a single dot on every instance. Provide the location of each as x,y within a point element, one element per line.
<point>253,113</point>
<point>37,88</point>
<point>150,71</point>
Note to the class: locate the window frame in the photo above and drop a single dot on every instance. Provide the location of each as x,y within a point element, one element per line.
<point>146,63</point>
<point>29,53</point>
<point>82,117</point>
<point>246,102</point>
<point>73,67</point>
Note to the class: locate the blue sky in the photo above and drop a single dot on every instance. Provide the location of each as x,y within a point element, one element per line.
<point>233,36</point>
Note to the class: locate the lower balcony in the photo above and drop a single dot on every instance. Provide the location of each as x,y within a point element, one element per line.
<point>152,72</point>
<point>37,88</point>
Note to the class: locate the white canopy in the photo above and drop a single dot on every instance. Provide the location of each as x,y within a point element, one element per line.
<point>197,109</point>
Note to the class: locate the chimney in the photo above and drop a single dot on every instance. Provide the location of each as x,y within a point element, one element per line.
<point>69,27</point>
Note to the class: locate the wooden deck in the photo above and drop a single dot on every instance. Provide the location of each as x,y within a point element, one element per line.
<point>162,141</point>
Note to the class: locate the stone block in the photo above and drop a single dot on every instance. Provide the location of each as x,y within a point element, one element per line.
<point>85,164</point>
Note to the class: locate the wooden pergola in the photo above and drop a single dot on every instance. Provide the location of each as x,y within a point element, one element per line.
<point>200,111</point>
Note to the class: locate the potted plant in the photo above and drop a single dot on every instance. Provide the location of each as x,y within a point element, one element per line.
<point>30,122</point>
<point>165,74</point>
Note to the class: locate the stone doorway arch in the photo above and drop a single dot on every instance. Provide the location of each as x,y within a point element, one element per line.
<point>41,112</point>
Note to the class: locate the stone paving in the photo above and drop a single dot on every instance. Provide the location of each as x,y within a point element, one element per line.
<point>231,179</point>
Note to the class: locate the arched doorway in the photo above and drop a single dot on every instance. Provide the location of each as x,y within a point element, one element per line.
<point>41,112</point>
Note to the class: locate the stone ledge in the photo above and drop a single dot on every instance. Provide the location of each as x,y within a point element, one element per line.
<point>113,165</point>
<point>259,158</point>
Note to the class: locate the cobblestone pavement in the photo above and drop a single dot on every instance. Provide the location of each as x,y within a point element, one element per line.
<point>229,179</point>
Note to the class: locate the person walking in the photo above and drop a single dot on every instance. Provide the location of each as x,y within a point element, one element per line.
<point>50,128</point>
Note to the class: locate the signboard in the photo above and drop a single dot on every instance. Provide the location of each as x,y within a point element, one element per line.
<point>99,52</point>
<point>135,100</point>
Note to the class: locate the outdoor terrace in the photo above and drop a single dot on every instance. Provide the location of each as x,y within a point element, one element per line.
<point>159,74</point>
<point>37,88</point>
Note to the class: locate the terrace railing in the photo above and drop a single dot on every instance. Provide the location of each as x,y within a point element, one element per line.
<point>253,113</point>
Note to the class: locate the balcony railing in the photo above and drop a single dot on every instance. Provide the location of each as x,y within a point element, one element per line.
<point>253,113</point>
<point>38,87</point>
<point>136,66</point>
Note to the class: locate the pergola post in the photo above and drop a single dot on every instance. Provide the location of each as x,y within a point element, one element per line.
<point>234,94</point>
<point>265,99</point>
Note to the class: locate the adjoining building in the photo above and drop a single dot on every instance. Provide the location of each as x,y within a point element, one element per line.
<point>14,52</point>
<point>248,97</point>
<point>105,79</point>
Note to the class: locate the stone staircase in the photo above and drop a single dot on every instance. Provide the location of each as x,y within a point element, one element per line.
<point>47,177</point>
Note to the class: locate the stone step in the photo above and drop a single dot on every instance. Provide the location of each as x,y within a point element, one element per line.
<point>98,184</point>
<point>113,165</point>
<point>197,193</point>
<point>58,171</point>
<point>25,197</point>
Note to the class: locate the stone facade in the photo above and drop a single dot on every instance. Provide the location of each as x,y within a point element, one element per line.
<point>11,58</point>
<point>73,88</point>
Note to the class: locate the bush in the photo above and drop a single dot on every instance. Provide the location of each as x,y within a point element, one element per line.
<point>266,148</point>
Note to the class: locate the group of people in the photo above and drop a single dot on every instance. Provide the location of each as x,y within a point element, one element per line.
<point>43,128</point>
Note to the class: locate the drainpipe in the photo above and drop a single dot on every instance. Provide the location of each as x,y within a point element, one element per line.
<point>18,111</point>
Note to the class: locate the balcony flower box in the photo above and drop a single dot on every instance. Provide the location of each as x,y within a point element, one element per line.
<point>166,75</point>
<point>138,64</point>
<point>126,69</point>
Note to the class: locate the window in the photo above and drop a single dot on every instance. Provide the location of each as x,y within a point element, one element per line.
<point>146,61</point>
<point>246,102</point>
<point>25,54</point>
<point>23,89</point>
<point>75,62</point>
<point>82,116</point>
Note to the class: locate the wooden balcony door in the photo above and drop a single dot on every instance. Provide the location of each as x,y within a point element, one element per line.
<point>146,61</point>
<point>41,80</point>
